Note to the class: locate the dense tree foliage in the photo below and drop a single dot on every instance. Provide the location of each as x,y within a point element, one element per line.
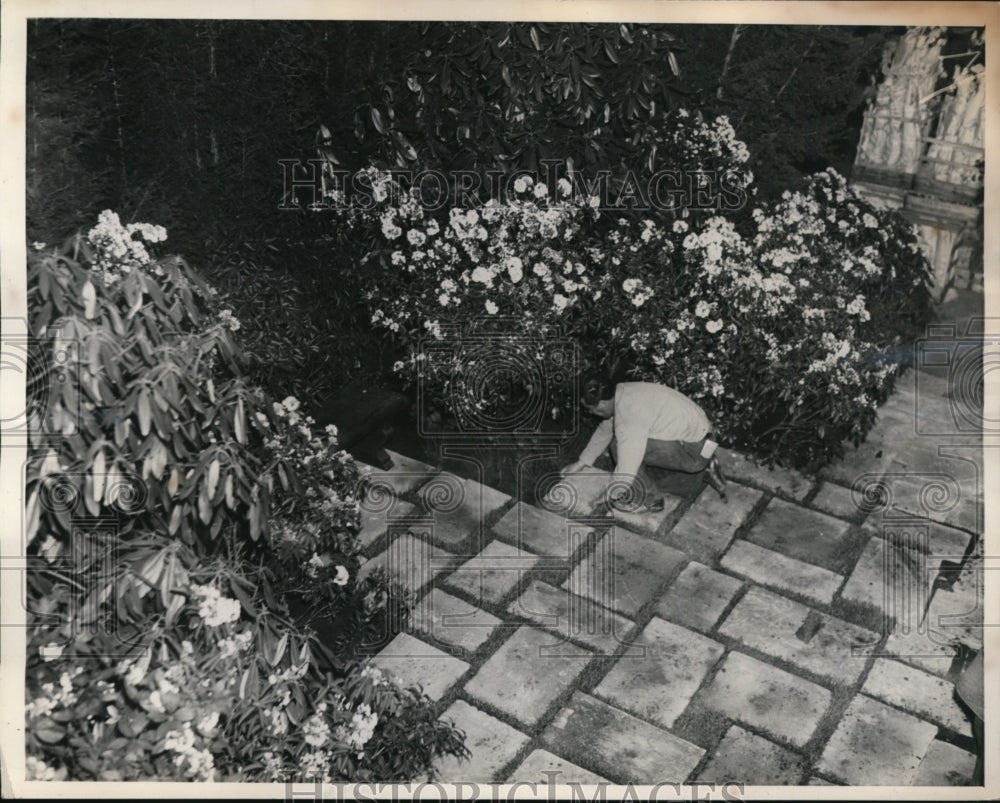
<point>185,121</point>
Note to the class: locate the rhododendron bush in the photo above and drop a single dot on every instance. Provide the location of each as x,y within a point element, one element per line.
<point>188,538</point>
<point>783,321</point>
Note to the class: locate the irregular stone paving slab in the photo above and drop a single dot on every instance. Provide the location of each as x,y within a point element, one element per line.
<point>492,743</point>
<point>924,454</point>
<point>523,677</point>
<point>806,535</point>
<point>415,663</point>
<point>894,580</point>
<point>918,692</point>
<point>458,507</point>
<point>707,527</point>
<point>744,757</point>
<point>573,496</point>
<point>769,623</point>
<point>945,765</point>
<point>783,480</point>
<point>377,516</point>
<point>837,501</point>
<point>572,617</point>
<point>543,767</point>
<point>871,458</point>
<point>409,561</point>
<point>957,614</point>
<point>816,781</point>
<point>619,746</point>
<point>491,575</point>
<point>918,647</point>
<point>948,497</point>
<point>767,698</point>
<point>658,685</point>
<point>875,745</point>
<point>405,475</point>
<point>698,597</point>
<point>539,531</point>
<point>774,569</point>
<point>624,571</point>
<point>648,523</point>
<point>921,535</point>
<point>442,617</point>
<point>948,542</point>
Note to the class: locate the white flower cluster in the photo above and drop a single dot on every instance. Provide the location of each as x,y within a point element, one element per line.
<point>375,675</point>
<point>37,770</point>
<point>135,670</point>
<point>215,609</point>
<point>362,728</point>
<point>315,765</point>
<point>316,730</point>
<point>229,320</point>
<point>52,698</point>
<point>200,764</point>
<point>638,292</point>
<point>117,247</point>
<point>233,645</point>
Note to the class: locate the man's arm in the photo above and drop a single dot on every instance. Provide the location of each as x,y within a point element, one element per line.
<point>598,441</point>
<point>632,441</point>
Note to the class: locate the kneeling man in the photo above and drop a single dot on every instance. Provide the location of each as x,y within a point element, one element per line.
<point>647,424</point>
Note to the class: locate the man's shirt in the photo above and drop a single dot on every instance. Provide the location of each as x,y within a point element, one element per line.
<point>645,410</point>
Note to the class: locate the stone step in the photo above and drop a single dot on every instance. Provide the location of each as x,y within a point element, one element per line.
<point>458,507</point>
<point>895,580</point>
<point>787,574</point>
<point>806,535</point>
<point>573,496</point>
<point>799,635</point>
<point>540,531</point>
<point>406,474</point>
<point>619,746</point>
<point>786,481</point>
<point>698,597</point>
<point>745,758</point>
<point>543,767</point>
<point>410,561</point>
<point>493,573</point>
<point>767,698</point>
<point>573,618</point>
<point>492,743</point>
<point>624,571</point>
<point>708,526</point>
<point>945,765</point>
<point>441,617</point>
<point>875,745</point>
<point>525,675</point>
<point>659,684</point>
<point>838,501</point>
<point>918,692</point>
<point>378,514</point>
<point>412,662</point>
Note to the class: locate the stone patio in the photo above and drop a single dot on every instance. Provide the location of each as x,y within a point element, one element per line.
<point>779,639</point>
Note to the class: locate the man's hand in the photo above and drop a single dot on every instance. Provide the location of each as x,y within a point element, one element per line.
<point>572,468</point>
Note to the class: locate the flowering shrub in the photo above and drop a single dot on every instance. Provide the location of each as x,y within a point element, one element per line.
<point>785,324</point>
<point>176,514</point>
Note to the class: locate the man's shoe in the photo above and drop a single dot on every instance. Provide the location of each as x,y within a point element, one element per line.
<point>655,506</point>
<point>715,478</point>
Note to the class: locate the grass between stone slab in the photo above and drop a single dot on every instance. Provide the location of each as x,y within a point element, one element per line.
<point>863,614</point>
<point>697,723</point>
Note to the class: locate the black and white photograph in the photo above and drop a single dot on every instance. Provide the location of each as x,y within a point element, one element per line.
<point>587,401</point>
